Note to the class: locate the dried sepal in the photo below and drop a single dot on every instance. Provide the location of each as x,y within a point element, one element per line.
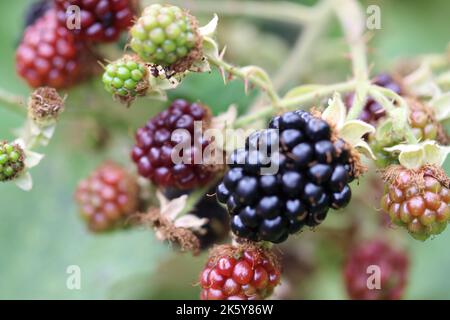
<point>171,223</point>
<point>413,156</point>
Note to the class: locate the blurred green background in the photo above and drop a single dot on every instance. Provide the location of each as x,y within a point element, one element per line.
<point>41,235</point>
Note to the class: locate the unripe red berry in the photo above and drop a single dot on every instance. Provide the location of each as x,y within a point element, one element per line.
<point>393,267</point>
<point>107,197</point>
<point>49,55</point>
<point>155,144</point>
<point>101,20</point>
<point>418,200</point>
<point>239,273</point>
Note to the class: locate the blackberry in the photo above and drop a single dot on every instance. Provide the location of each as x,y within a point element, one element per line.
<point>101,20</point>
<point>239,273</point>
<point>314,170</point>
<point>12,159</point>
<point>49,55</point>
<point>155,144</point>
<point>418,200</point>
<point>126,78</point>
<point>107,197</point>
<point>393,264</point>
<point>166,36</point>
<point>373,111</point>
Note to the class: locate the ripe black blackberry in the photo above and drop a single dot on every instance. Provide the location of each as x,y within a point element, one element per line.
<point>156,141</point>
<point>315,168</point>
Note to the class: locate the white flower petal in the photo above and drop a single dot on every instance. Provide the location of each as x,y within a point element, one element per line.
<point>32,158</point>
<point>352,131</point>
<point>190,221</point>
<point>366,149</point>
<point>210,28</point>
<point>24,182</point>
<point>336,111</point>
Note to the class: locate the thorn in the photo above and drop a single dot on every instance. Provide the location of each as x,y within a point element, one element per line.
<point>246,83</point>
<point>224,76</point>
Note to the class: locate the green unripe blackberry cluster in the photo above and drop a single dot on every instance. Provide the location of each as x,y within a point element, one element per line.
<point>164,35</point>
<point>125,78</point>
<point>11,161</point>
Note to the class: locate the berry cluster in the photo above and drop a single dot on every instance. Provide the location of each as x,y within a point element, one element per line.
<point>11,161</point>
<point>422,121</point>
<point>393,266</point>
<point>156,141</point>
<point>125,78</point>
<point>107,197</point>
<point>239,274</point>
<point>49,55</point>
<point>166,36</point>
<point>313,175</point>
<point>101,20</point>
<point>373,111</point>
<point>422,208</point>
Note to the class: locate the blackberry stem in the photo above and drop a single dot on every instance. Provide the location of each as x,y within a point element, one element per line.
<point>295,103</point>
<point>236,71</point>
<point>13,103</point>
<point>358,50</point>
<point>282,11</point>
<point>293,65</point>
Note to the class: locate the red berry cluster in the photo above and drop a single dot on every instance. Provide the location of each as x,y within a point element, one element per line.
<point>155,145</point>
<point>49,55</point>
<point>239,274</point>
<point>423,211</point>
<point>101,20</point>
<point>393,266</point>
<point>107,197</point>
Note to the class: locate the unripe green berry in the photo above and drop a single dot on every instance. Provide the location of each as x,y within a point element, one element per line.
<point>11,161</point>
<point>126,78</point>
<point>166,35</point>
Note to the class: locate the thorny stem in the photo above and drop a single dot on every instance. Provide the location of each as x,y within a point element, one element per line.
<point>295,65</point>
<point>297,102</point>
<point>13,103</point>
<point>282,11</point>
<point>235,71</point>
<point>353,28</point>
